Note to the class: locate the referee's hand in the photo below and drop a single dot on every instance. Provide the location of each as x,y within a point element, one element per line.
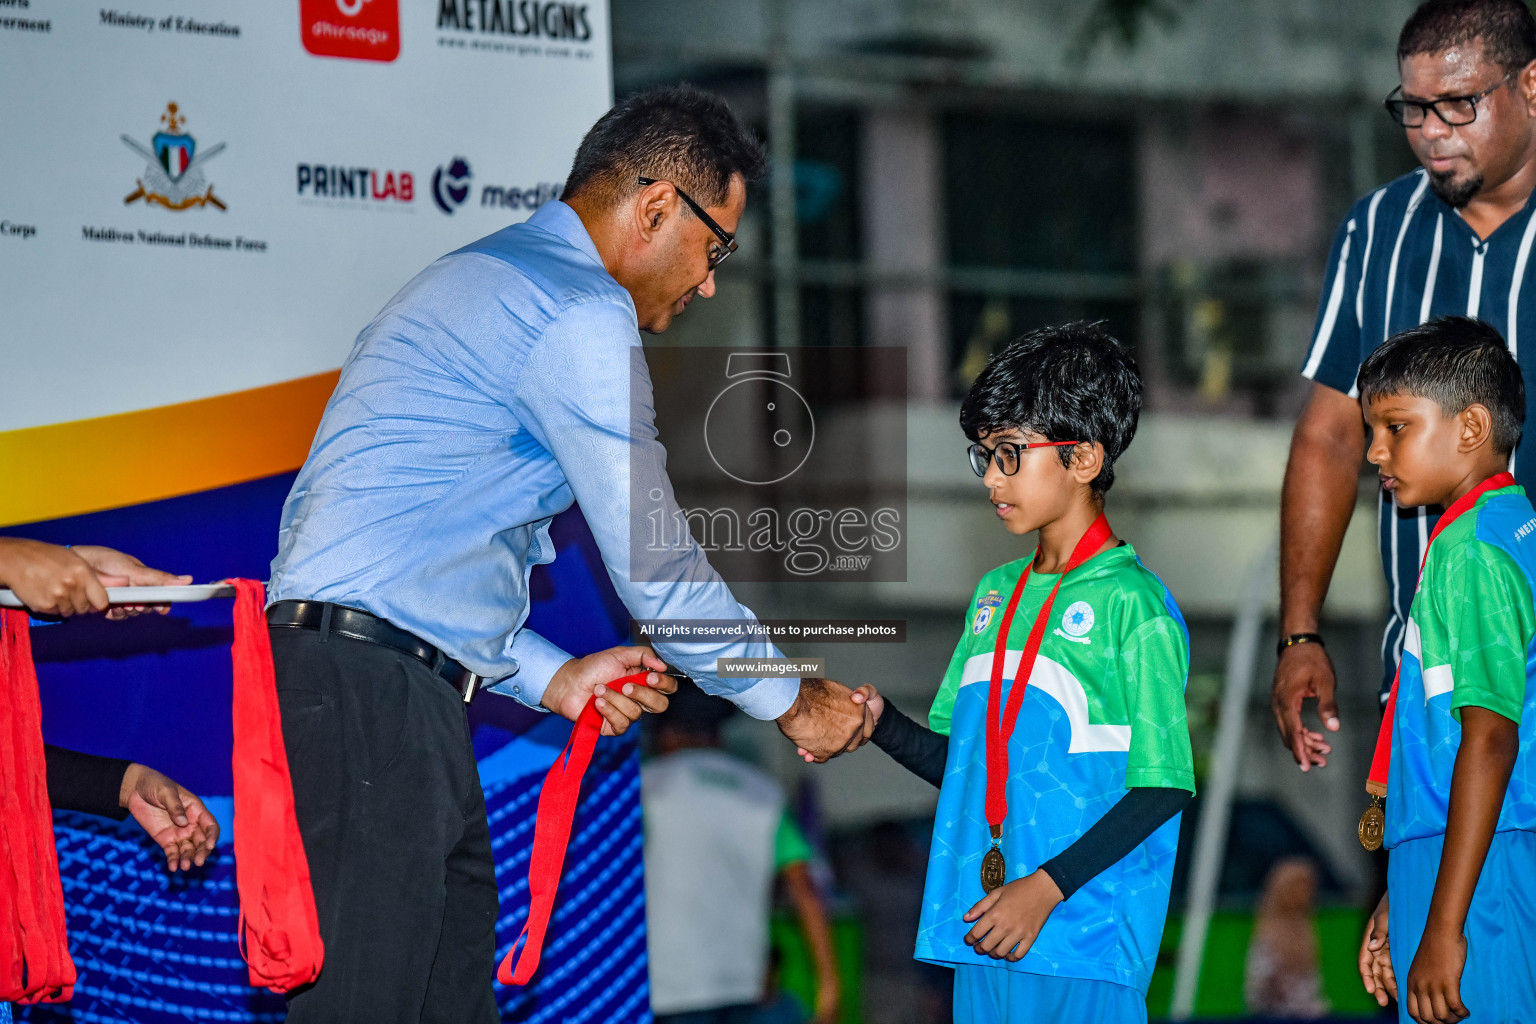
<point>1304,671</point>
<point>581,679</point>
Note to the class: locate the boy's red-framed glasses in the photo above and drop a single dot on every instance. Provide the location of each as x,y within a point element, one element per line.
<point>1006,454</point>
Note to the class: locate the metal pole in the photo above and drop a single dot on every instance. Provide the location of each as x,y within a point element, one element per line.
<point>781,183</point>
<point>1216,803</point>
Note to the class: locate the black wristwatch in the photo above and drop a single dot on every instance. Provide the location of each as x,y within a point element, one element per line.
<point>1299,638</point>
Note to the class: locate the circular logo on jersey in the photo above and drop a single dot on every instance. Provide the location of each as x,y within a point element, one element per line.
<point>1078,619</point>
<point>982,621</point>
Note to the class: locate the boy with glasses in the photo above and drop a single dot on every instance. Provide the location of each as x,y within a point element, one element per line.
<point>1058,736</point>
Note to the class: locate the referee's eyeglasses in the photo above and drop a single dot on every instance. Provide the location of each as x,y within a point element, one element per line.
<point>1453,110</point>
<point>718,254</point>
<point>1006,454</point>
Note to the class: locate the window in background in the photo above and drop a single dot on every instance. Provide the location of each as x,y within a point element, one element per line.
<point>827,221</point>
<point>1041,227</point>
<point>1233,197</point>
<point>980,324</point>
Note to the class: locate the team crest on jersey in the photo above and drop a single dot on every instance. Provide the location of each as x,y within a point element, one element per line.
<point>984,610</point>
<point>1076,621</point>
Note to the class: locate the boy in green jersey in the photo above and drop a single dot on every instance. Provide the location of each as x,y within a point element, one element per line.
<point>1058,735</point>
<point>1445,404</point>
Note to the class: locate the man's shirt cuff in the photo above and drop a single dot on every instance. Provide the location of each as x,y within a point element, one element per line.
<point>537,662</point>
<point>765,699</point>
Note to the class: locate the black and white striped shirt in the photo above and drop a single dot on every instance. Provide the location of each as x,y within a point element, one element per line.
<point>1402,256</point>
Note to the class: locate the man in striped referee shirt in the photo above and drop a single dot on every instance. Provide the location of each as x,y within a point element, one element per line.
<point>1453,237</point>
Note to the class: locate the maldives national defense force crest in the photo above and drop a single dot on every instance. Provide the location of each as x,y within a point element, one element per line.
<point>173,175</point>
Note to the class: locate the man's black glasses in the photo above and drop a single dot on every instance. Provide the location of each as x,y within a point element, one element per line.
<point>1453,110</point>
<point>717,253</point>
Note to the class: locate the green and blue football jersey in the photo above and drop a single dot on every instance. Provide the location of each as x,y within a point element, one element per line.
<point>1104,712</point>
<point>1468,642</point>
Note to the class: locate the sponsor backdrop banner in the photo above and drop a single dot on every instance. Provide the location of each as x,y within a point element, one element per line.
<point>205,197</point>
<point>204,202</point>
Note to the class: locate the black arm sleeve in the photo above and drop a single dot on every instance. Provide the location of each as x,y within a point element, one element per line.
<point>85,782</point>
<point>919,750</point>
<point>1124,827</point>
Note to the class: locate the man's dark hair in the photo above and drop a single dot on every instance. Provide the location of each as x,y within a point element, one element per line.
<point>1454,361</point>
<point>679,134</point>
<point>1069,383</point>
<point>1506,28</point>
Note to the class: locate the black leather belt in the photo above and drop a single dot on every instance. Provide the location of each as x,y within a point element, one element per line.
<point>360,625</point>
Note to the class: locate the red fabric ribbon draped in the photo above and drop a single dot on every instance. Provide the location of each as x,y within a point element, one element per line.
<point>34,961</point>
<point>279,929</point>
<point>551,836</point>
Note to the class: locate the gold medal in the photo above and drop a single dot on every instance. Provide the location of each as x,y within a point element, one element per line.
<point>994,870</point>
<point>1373,825</point>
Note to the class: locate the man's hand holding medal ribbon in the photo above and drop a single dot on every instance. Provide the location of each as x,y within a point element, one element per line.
<point>584,681</point>
<point>604,695</point>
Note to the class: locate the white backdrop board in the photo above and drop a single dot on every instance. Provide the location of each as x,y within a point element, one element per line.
<point>178,286</point>
<point>151,256</point>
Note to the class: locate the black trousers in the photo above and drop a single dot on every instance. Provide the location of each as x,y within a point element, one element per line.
<point>389,805</point>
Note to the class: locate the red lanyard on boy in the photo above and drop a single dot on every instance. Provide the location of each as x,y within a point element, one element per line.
<point>1000,722</point>
<point>1373,822</point>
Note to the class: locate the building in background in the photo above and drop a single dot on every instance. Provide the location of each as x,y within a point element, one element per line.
<point>964,170</point>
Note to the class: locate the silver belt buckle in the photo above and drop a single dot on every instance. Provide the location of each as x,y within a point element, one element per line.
<point>469,686</point>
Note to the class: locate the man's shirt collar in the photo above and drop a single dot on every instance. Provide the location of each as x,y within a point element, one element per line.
<point>561,221</point>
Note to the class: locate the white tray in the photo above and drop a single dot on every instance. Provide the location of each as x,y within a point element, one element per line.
<point>146,595</point>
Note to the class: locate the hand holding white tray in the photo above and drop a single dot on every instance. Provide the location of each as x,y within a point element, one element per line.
<point>146,595</point>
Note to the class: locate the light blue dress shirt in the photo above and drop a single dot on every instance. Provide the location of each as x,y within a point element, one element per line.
<point>500,385</point>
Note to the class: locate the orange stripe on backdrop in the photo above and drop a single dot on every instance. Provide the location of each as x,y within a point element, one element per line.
<point>66,469</point>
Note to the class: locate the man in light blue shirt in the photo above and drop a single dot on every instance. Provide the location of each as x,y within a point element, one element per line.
<point>498,387</point>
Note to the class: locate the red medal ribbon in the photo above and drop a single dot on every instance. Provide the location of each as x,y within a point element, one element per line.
<point>1000,729</point>
<point>279,932</point>
<point>1376,781</point>
<point>279,929</point>
<point>552,834</point>
<point>34,961</point>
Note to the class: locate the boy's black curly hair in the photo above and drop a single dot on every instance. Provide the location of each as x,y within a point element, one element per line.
<point>1455,361</point>
<point>1072,382</point>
